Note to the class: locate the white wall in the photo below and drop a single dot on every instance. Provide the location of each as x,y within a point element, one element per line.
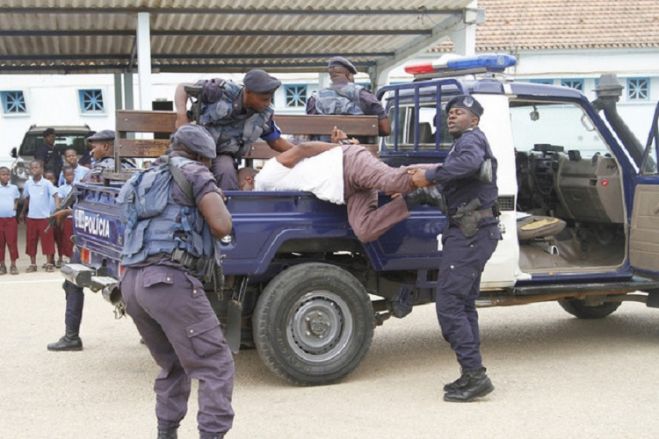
<point>52,100</point>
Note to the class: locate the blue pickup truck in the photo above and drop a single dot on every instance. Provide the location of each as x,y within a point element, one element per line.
<point>578,195</point>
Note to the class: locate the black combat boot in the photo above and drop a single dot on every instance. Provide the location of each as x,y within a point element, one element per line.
<point>477,385</point>
<point>457,384</point>
<point>167,433</point>
<point>207,435</point>
<point>70,342</point>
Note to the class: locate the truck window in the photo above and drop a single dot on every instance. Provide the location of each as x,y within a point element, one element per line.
<point>559,124</point>
<point>427,128</point>
<point>62,142</point>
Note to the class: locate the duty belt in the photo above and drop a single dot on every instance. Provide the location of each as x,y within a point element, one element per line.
<point>483,213</point>
<point>188,261</point>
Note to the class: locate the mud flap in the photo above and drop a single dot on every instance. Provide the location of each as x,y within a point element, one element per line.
<point>233,324</point>
<point>234,317</point>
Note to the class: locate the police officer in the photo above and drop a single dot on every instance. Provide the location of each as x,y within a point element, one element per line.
<point>343,96</point>
<point>235,116</point>
<point>165,256</point>
<point>102,153</point>
<point>102,144</point>
<point>468,242</point>
<point>47,154</point>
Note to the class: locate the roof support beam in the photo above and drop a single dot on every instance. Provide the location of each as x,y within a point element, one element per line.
<point>144,59</point>
<point>464,40</point>
<point>214,56</point>
<point>229,11</point>
<point>212,32</point>
<point>418,45</point>
<point>182,67</point>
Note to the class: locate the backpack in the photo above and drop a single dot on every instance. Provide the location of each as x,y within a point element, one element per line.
<point>146,194</point>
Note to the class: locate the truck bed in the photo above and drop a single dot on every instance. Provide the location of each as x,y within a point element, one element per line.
<point>267,224</point>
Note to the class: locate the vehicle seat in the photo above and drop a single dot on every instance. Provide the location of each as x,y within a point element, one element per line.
<point>540,231</point>
<point>425,133</point>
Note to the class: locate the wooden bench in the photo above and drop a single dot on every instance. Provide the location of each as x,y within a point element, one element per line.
<point>130,122</point>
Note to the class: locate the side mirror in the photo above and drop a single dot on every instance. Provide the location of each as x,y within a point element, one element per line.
<point>13,153</point>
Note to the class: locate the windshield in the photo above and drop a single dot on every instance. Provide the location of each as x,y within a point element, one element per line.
<point>62,142</point>
<point>561,125</point>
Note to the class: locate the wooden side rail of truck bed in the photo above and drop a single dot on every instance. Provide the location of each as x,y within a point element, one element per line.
<point>162,122</point>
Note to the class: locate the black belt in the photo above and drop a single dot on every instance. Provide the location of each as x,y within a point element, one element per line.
<point>187,260</point>
<point>488,212</point>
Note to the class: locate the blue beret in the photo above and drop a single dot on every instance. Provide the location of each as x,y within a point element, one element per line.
<point>195,138</point>
<point>342,62</point>
<point>467,102</point>
<point>259,81</point>
<point>102,135</point>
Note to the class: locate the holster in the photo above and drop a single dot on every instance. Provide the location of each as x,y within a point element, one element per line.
<point>200,266</point>
<point>468,217</point>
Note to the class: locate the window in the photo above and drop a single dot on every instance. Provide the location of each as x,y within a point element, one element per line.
<point>427,129</point>
<point>558,124</point>
<point>13,102</point>
<point>296,95</point>
<point>573,83</point>
<point>638,89</point>
<point>91,101</point>
<point>542,81</point>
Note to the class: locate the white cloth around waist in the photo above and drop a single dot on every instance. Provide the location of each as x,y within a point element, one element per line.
<point>322,175</point>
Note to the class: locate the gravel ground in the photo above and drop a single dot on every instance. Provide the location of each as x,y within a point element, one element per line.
<point>555,377</point>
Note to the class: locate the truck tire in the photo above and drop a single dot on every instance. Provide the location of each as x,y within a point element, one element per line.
<point>313,324</point>
<point>579,309</point>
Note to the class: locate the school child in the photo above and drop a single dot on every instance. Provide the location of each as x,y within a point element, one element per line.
<point>38,193</point>
<point>64,229</point>
<point>9,196</point>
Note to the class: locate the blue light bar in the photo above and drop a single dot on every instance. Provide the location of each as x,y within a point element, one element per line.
<point>493,62</point>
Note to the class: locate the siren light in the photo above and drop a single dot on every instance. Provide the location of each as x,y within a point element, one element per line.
<point>455,63</point>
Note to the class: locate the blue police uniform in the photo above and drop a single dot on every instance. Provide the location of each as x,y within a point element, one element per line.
<point>73,294</point>
<point>464,257</point>
<point>233,126</point>
<point>344,97</point>
<point>165,255</point>
<point>50,157</point>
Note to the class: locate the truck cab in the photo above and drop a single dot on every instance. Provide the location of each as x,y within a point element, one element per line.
<point>574,199</point>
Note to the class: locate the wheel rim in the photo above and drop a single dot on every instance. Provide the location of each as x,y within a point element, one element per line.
<point>320,326</point>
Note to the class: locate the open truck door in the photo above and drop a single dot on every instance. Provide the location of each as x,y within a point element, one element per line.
<point>644,233</point>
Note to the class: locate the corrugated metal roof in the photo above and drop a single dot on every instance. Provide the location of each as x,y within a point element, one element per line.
<point>208,35</point>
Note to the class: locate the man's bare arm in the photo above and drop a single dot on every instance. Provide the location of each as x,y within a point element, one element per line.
<point>280,144</point>
<point>181,104</point>
<point>215,213</point>
<point>384,126</point>
<point>302,151</point>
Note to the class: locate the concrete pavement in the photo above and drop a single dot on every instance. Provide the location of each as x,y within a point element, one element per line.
<point>555,377</point>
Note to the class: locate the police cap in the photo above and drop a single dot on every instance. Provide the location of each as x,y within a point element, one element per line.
<point>342,62</point>
<point>101,135</point>
<point>258,81</point>
<point>196,139</point>
<point>467,102</point>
